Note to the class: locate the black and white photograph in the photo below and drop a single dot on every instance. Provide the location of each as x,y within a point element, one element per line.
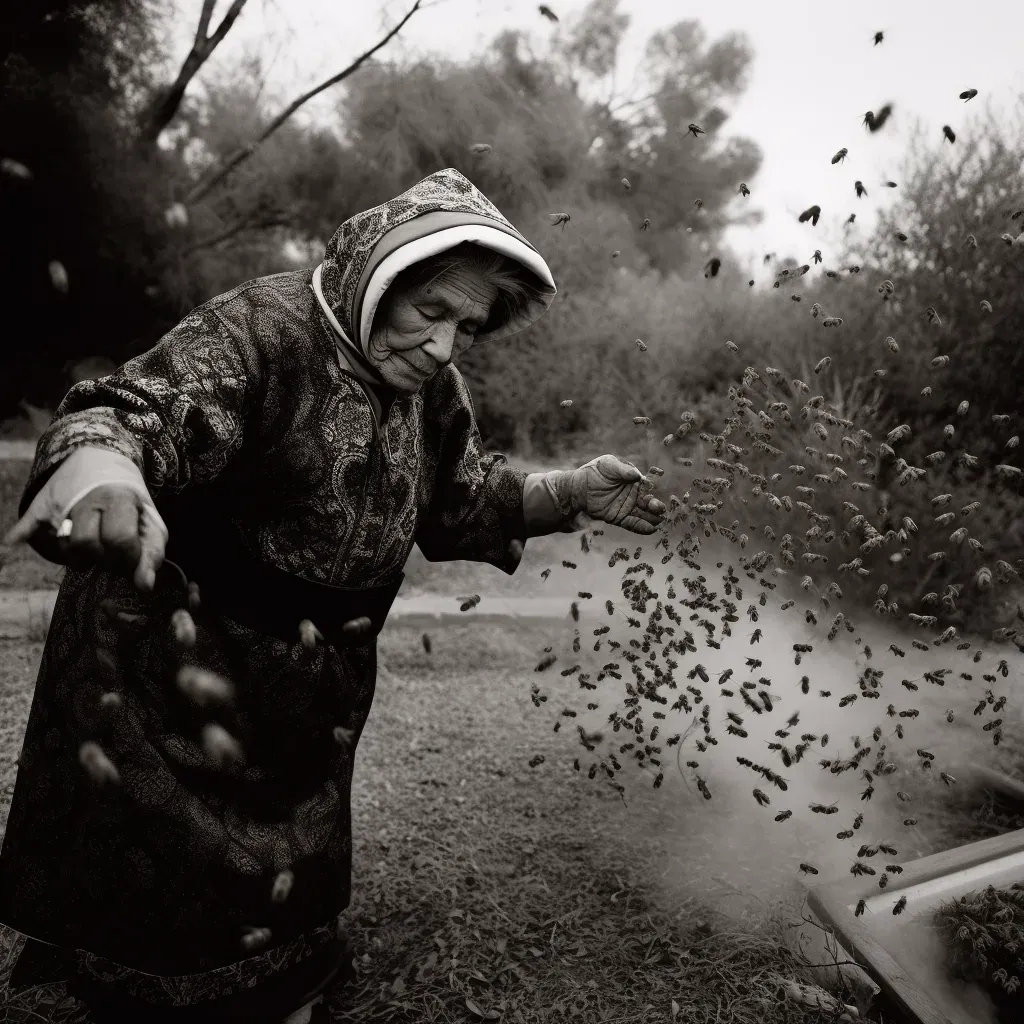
<point>511,512</point>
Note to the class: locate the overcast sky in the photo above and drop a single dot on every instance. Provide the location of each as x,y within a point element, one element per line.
<point>815,72</point>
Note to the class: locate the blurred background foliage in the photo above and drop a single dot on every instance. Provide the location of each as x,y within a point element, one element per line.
<point>108,171</point>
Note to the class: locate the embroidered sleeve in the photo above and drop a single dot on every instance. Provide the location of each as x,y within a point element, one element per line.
<point>177,411</point>
<point>476,509</point>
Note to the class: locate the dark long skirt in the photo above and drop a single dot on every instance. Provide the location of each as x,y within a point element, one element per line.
<point>168,872</point>
<point>265,993</point>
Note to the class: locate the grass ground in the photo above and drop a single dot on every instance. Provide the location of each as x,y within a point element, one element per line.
<point>531,891</point>
<point>483,886</point>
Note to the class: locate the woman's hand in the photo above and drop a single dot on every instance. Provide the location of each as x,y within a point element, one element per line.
<point>617,493</point>
<point>111,526</point>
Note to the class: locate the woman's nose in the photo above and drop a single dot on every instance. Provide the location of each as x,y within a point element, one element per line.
<point>441,344</point>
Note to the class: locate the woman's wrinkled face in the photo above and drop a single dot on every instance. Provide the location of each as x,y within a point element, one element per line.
<point>423,329</point>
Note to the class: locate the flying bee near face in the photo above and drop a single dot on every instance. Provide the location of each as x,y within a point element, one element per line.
<point>840,156</point>
<point>559,218</point>
<point>948,133</point>
<point>744,191</point>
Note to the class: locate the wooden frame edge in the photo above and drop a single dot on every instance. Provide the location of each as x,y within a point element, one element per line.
<point>935,865</point>
<point>830,901</point>
<point>894,981</point>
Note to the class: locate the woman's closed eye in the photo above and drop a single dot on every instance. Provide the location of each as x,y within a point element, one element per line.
<point>436,315</point>
<point>433,312</point>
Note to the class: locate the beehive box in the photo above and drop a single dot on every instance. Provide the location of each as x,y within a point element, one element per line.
<point>901,952</point>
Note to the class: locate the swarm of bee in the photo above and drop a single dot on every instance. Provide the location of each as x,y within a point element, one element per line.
<point>982,933</point>
<point>667,627</point>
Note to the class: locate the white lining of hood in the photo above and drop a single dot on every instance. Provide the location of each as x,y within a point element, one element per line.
<point>343,358</point>
<point>430,245</point>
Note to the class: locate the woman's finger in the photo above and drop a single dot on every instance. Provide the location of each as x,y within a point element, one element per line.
<point>647,517</point>
<point>21,531</point>
<point>119,533</point>
<point>153,538</point>
<point>37,528</point>
<point>637,525</point>
<point>652,504</point>
<point>83,547</point>
<point>622,470</point>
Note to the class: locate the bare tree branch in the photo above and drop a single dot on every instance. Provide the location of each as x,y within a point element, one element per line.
<point>235,229</point>
<point>239,156</point>
<point>159,115</point>
<point>205,15</point>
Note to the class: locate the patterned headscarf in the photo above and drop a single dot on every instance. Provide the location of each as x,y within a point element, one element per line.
<point>370,249</point>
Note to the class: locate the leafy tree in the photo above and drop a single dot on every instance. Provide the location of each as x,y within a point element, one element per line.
<point>101,256</point>
<point>70,192</point>
<point>946,199</point>
<point>641,133</point>
<point>407,121</point>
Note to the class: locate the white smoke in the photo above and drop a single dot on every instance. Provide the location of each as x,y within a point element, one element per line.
<point>730,850</point>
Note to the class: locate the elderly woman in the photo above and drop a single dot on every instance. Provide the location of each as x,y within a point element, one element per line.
<point>235,507</point>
